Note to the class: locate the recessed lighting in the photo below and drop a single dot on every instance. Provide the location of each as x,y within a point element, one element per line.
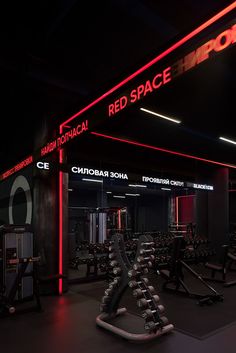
<point>132,194</point>
<point>93,180</point>
<point>227,140</point>
<point>137,186</point>
<point>70,189</point>
<point>161,116</point>
<point>108,192</point>
<point>167,189</point>
<point>119,196</point>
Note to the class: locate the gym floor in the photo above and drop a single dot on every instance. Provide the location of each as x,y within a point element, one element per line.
<point>67,325</point>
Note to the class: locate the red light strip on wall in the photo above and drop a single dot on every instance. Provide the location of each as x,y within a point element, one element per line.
<point>60,284</point>
<point>155,60</point>
<point>135,143</point>
<point>177,210</point>
<point>119,219</point>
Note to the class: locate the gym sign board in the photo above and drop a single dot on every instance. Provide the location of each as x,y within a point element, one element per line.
<point>219,43</point>
<point>144,179</point>
<point>61,140</point>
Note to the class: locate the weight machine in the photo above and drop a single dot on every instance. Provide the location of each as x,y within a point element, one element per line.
<point>175,281</point>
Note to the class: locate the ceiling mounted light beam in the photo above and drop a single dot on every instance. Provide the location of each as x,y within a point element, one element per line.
<point>160,116</point>
<point>227,140</point>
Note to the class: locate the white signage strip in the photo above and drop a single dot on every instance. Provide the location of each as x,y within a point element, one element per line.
<point>124,176</point>
<point>162,181</point>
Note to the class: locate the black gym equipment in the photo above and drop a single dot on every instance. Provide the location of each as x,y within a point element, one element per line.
<point>155,324</point>
<point>174,276</point>
<point>19,281</point>
<point>8,303</point>
<point>223,267</point>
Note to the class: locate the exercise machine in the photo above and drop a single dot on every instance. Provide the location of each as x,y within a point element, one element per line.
<point>134,276</point>
<point>18,268</point>
<point>223,267</point>
<point>175,278</point>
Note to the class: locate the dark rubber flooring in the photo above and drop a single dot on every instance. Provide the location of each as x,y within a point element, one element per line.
<point>67,325</point>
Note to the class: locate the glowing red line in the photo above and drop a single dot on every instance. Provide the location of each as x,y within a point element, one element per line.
<point>135,143</point>
<point>187,195</point>
<point>60,289</point>
<point>119,219</point>
<point>156,59</point>
<point>177,210</point>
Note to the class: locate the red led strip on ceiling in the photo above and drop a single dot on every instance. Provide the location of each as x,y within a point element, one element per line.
<point>135,143</point>
<point>155,60</point>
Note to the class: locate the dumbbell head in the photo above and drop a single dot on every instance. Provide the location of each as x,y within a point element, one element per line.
<point>138,293</point>
<point>143,303</point>
<point>113,263</point>
<point>108,291</point>
<point>153,326</point>
<point>148,313</point>
<point>117,270</point>
<point>134,284</point>
<point>106,299</point>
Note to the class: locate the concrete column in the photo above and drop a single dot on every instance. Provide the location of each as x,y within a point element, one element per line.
<point>218,210</point>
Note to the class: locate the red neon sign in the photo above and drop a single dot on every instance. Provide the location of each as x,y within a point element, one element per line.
<point>64,138</point>
<point>178,44</point>
<point>141,91</point>
<point>17,167</point>
<point>192,59</point>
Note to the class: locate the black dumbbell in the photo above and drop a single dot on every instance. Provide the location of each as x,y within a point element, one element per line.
<point>147,244</point>
<point>113,263</point>
<point>146,251</point>
<point>138,293</point>
<point>106,299</point>
<point>145,259</point>
<point>139,267</point>
<point>152,326</point>
<point>148,313</point>
<point>112,256</point>
<point>117,270</point>
<point>109,291</point>
<point>143,303</point>
<point>134,284</point>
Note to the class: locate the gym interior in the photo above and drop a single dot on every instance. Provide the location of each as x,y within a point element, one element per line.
<point>125,229</point>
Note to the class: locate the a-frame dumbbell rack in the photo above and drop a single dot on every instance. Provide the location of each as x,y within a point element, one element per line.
<point>133,275</point>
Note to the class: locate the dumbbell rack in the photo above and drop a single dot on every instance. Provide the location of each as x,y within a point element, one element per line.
<point>132,275</point>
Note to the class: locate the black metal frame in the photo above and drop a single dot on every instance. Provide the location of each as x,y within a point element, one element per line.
<point>174,277</point>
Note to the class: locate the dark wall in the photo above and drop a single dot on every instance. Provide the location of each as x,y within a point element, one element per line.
<point>16,199</point>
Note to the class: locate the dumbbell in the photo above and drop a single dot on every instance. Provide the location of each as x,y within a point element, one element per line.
<point>117,270</point>
<point>138,267</point>
<point>146,251</point>
<point>134,273</point>
<point>108,291</point>
<point>112,256</point>
<point>138,293</point>
<point>147,244</point>
<point>145,259</point>
<point>106,299</point>
<point>134,284</point>
<point>143,303</point>
<point>152,326</point>
<point>148,313</point>
<point>114,283</point>
<point>114,263</point>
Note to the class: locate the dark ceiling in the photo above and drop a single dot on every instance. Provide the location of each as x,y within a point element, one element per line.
<point>56,56</point>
